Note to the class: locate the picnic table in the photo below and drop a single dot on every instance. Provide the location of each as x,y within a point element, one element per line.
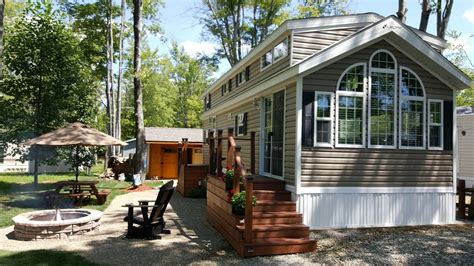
<point>80,190</point>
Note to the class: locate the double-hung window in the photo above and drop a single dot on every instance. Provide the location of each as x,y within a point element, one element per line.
<point>435,124</point>
<point>323,102</point>
<point>382,100</point>
<point>350,107</point>
<point>412,106</point>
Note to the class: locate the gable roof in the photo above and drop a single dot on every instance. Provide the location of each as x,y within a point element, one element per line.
<point>163,134</point>
<point>317,24</point>
<point>401,37</point>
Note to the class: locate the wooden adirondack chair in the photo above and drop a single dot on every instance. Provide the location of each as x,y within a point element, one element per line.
<point>150,226</point>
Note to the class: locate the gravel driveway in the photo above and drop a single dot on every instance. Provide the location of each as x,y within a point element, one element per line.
<point>194,241</point>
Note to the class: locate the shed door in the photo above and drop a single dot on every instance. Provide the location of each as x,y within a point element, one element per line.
<point>169,163</point>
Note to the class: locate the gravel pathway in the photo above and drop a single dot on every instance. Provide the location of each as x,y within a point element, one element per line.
<point>194,241</point>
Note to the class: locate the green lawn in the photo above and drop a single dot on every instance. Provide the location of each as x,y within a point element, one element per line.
<point>17,194</point>
<point>42,257</point>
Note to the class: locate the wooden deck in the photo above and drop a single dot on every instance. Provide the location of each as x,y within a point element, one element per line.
<point>277,227</point>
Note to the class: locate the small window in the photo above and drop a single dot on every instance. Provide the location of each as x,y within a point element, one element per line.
<point>247,73</point>
<point>280,51</point>
<point>212,122</point>
<point>240,78</point>
<point>241,124</point>
<point>229,85</point>
<point>266,60</point>
<point>223,89</point>
<point>435,126</point>
<point>169,150</point>
<point>207,102</point>
<point>323,119</point>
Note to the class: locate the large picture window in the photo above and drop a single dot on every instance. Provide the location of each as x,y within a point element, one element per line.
<point>412,106</point>
<point>350,107</point>
<point>323,119</point>
<point>435,124</point>
<point>382,100</point>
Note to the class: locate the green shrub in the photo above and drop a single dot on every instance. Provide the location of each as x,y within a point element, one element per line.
<point>238,202</point>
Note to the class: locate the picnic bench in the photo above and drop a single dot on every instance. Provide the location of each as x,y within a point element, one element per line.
<point>81,190</point>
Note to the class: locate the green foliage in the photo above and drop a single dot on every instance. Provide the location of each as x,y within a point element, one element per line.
<point>317,8</point>
<point>45,79</point>
<point>229,179</point>
<point>238,202</point>
<point>86,156</point>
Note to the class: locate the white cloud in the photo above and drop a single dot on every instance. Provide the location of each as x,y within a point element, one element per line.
<point>195,48</point>
<point>469,15</point>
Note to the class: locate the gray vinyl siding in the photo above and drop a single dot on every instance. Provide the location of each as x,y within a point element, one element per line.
<point>375,167</point>
<point>256,76</point>
<point>466,145</point>
<point>290,134</point>
<point>308,43</point>
<point>226,120</point>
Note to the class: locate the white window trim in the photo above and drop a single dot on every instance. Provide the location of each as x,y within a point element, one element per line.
<point>262,68</point>
<point>331,119</point>
<point>273,51</point>
<point>238,124</point>
<point>410,98</point>
<point>395,99</point>
<point>436,124</point>
<point>356,94</point>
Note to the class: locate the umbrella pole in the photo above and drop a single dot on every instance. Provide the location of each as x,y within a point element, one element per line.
<point>77,163</point>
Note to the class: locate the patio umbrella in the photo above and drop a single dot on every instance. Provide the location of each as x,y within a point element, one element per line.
<point>76,134</point>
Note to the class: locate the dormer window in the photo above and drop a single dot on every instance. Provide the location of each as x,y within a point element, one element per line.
<point>240,78</point>
<point>274,55</point>
<point>223,89</point>
<point>229,85</point>
<point>266,60</point>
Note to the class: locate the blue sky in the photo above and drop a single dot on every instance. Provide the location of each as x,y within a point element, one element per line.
<point>179,22</point>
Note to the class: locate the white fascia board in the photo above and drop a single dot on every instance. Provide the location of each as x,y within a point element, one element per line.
<point>435,41</point>
<point>351,190</point>
<point>254,92</point>
<point>373,34</point>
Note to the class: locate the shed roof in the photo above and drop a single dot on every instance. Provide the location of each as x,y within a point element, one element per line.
<point>163,134</point>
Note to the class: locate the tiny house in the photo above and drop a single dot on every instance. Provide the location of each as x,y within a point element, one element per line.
<point>355,114</point>
<point>164,147</point>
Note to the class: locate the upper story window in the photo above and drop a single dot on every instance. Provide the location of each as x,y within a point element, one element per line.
<point>382,99</point>
<point>412,106</point>
<point>224,89</point>
<point>229,85</point>
<point>274,55</point>
<point>207,102</point>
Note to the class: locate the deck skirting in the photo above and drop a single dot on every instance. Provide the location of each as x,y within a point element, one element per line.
<point>355,210</point>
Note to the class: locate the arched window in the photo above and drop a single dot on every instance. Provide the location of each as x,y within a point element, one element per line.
<point>382,99</point>
<point>412,110</point>
<point>350,107</point>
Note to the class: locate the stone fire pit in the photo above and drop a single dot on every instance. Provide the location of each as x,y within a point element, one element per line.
<point>45,224</point>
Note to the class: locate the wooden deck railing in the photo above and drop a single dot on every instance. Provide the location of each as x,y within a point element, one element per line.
<point>234,161</point>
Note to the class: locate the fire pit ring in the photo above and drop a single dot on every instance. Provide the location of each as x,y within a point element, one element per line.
<point>45,225</point>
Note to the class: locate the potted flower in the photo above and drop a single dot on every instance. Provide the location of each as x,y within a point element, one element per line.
<point>229,179</point>
<point>238,203</point>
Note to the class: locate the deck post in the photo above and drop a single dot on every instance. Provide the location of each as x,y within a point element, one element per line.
<point>237,172</point>
<point>230,152</point>
<point>211,152</point>
<point>252,152</point>
<point>462,198</point>
<point>219,152</point>
<point>248,233</point>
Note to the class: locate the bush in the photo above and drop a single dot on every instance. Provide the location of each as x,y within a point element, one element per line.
<point>197,193</point>
<point>238,202</point>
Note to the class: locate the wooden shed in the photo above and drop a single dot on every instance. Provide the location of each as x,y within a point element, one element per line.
<point>164,148</point>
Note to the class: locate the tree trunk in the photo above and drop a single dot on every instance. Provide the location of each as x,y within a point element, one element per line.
<point>110,72</point>
<point>138,91</point>
<point>442,16</point>
<point>2,11</point>
<point>36,166</point>
<point>425,15</point>
<point>402,10</point>
<point>118,126</point>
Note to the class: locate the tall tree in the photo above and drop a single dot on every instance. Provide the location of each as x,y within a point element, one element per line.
<point>118,125</point>
<point>402,10</point>
<point>2,11</point>
<point>442,17</point>
<point>426,9</point>
<point>317,8</point>
<point>47,83</point>
<point>139,162</point>
<point>109,90</point>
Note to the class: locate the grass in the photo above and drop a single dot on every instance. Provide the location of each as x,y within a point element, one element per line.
<point>42,257</point>
<point>18,195</point>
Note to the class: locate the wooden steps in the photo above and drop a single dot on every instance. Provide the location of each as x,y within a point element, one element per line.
<point>277,228</point>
